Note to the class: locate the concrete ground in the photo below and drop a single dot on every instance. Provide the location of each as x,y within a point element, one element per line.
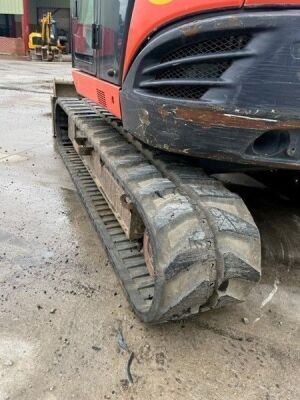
<point>61,304</point>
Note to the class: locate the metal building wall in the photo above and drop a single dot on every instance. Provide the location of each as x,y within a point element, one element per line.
<point>34,4</point>
<point>54,3</point>
<point>11,7</point>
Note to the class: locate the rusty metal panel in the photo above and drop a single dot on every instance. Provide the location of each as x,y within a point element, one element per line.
<point>119,202</point>
<point>11,6</point>
<point>121,206</point>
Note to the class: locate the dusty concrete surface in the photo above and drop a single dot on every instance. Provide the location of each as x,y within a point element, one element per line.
<point>61,304</point>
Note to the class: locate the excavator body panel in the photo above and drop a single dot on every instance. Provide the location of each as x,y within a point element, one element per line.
<point>214,79</point>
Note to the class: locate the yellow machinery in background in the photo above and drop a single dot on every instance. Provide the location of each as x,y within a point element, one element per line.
<point>47,45</point>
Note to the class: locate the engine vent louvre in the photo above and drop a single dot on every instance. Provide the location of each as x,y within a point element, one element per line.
<point>190,71</point>
<point>218,45</point>
<point>194,71</point>
<point>186,92</point>
<point>101,97</point>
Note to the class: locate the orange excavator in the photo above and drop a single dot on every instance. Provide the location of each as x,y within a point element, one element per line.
<point>167,93</point>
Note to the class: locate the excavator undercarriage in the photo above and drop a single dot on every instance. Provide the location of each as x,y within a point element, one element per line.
<point>178,239</point>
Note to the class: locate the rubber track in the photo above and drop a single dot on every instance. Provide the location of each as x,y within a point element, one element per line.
<point>205,244</point>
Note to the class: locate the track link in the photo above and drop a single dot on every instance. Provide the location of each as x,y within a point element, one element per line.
<point>206,246</point>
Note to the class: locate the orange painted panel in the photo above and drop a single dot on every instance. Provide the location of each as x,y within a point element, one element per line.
<point>272,3</point>
<point>101,92</point>
<point>148,15</point>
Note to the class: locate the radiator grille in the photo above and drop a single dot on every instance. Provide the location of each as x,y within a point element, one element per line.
<point>192,72</point>
<point>217,45</point>
<point>186,92</point>
<point>196,71</point>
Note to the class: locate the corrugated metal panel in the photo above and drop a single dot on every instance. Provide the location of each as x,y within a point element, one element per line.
<point>11,6</point>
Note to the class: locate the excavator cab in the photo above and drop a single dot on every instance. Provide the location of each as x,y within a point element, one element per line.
<point>99,37</point>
